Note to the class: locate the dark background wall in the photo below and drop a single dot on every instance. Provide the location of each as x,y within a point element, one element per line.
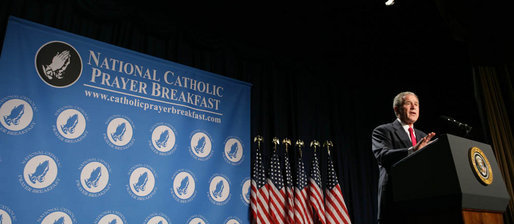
<point>319,71</point>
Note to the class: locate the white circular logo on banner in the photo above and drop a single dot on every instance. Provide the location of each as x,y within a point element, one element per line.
<point>71,124</point>
<point>112,218</point>
<point>57,217</point>
<point>197,220</point>
<point>184,186</point>
<point>40,171</point>
<point>94,177</point>
<point>245,191</point>
<point>201,145</point>
<point>163,138</point>
<point>158,219</point>
<point>233,150</point>
<point>16,115</point>
<point>219,190</point>
<point>6,215</point>
<point>120,133</point>
<point>142,182</point>
<point>233,220</point>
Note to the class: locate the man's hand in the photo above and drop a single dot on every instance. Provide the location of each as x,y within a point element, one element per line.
<point>424,141</point>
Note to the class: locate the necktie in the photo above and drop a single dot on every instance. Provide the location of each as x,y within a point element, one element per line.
<point>412,137</point>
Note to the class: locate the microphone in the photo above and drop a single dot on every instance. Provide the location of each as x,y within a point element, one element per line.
<point>459,124</point>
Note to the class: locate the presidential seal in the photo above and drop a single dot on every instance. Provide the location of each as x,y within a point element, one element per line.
<point>481,166</point>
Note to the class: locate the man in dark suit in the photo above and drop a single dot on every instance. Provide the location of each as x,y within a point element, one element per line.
<point>392,142</point>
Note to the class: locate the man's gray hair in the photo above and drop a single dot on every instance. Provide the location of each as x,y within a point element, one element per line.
<point>399,100</point>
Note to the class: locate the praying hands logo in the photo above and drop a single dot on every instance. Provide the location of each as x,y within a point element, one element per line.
<point>59,220</point>
<point>60,62</point>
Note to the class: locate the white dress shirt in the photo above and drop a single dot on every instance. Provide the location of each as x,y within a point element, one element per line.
<point>406,128</point>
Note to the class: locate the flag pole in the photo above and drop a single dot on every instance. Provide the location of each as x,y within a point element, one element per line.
<point>328,144</point>
<point>299,145</point>
<point>258,139</point>
<point>314,144</point>
<point>276,142</point>
<point>286,143</point>
<point>289,183</point>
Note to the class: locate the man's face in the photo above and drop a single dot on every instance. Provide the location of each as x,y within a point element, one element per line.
<point>409,111</point>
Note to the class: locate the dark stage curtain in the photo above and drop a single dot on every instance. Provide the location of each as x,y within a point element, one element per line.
<point>495,88</point>
<point>298,92</point>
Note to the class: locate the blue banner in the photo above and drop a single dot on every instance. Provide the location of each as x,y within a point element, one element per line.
<point>94,133</point>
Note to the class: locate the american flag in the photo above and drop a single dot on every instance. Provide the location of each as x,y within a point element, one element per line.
<point>259,193</point>
<point>336,212</point>
<point>302,213</point>
<point>277,202</point>
<point>315,191</point>
<point>289,191</point>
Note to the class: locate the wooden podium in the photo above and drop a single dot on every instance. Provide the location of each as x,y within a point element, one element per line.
<point>452,180</point>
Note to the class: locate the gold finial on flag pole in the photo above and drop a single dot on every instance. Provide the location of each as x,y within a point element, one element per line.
<point>258,139</point>
<point>299,144</point>
<point>276,142</point>
<point>328,144</point>
<point>287,143</point>
<point>314,144</point>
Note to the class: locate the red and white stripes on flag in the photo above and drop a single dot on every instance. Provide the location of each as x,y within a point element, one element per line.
<point>289,190</point>
<point>336,211</point>
<point>277,201</point>
<point>316,192</point>
<point>280,199</point>
<point>259,193</point>
<point>302,211</point>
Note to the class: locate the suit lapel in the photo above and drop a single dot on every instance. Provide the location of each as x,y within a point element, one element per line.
<point>401,134</point>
